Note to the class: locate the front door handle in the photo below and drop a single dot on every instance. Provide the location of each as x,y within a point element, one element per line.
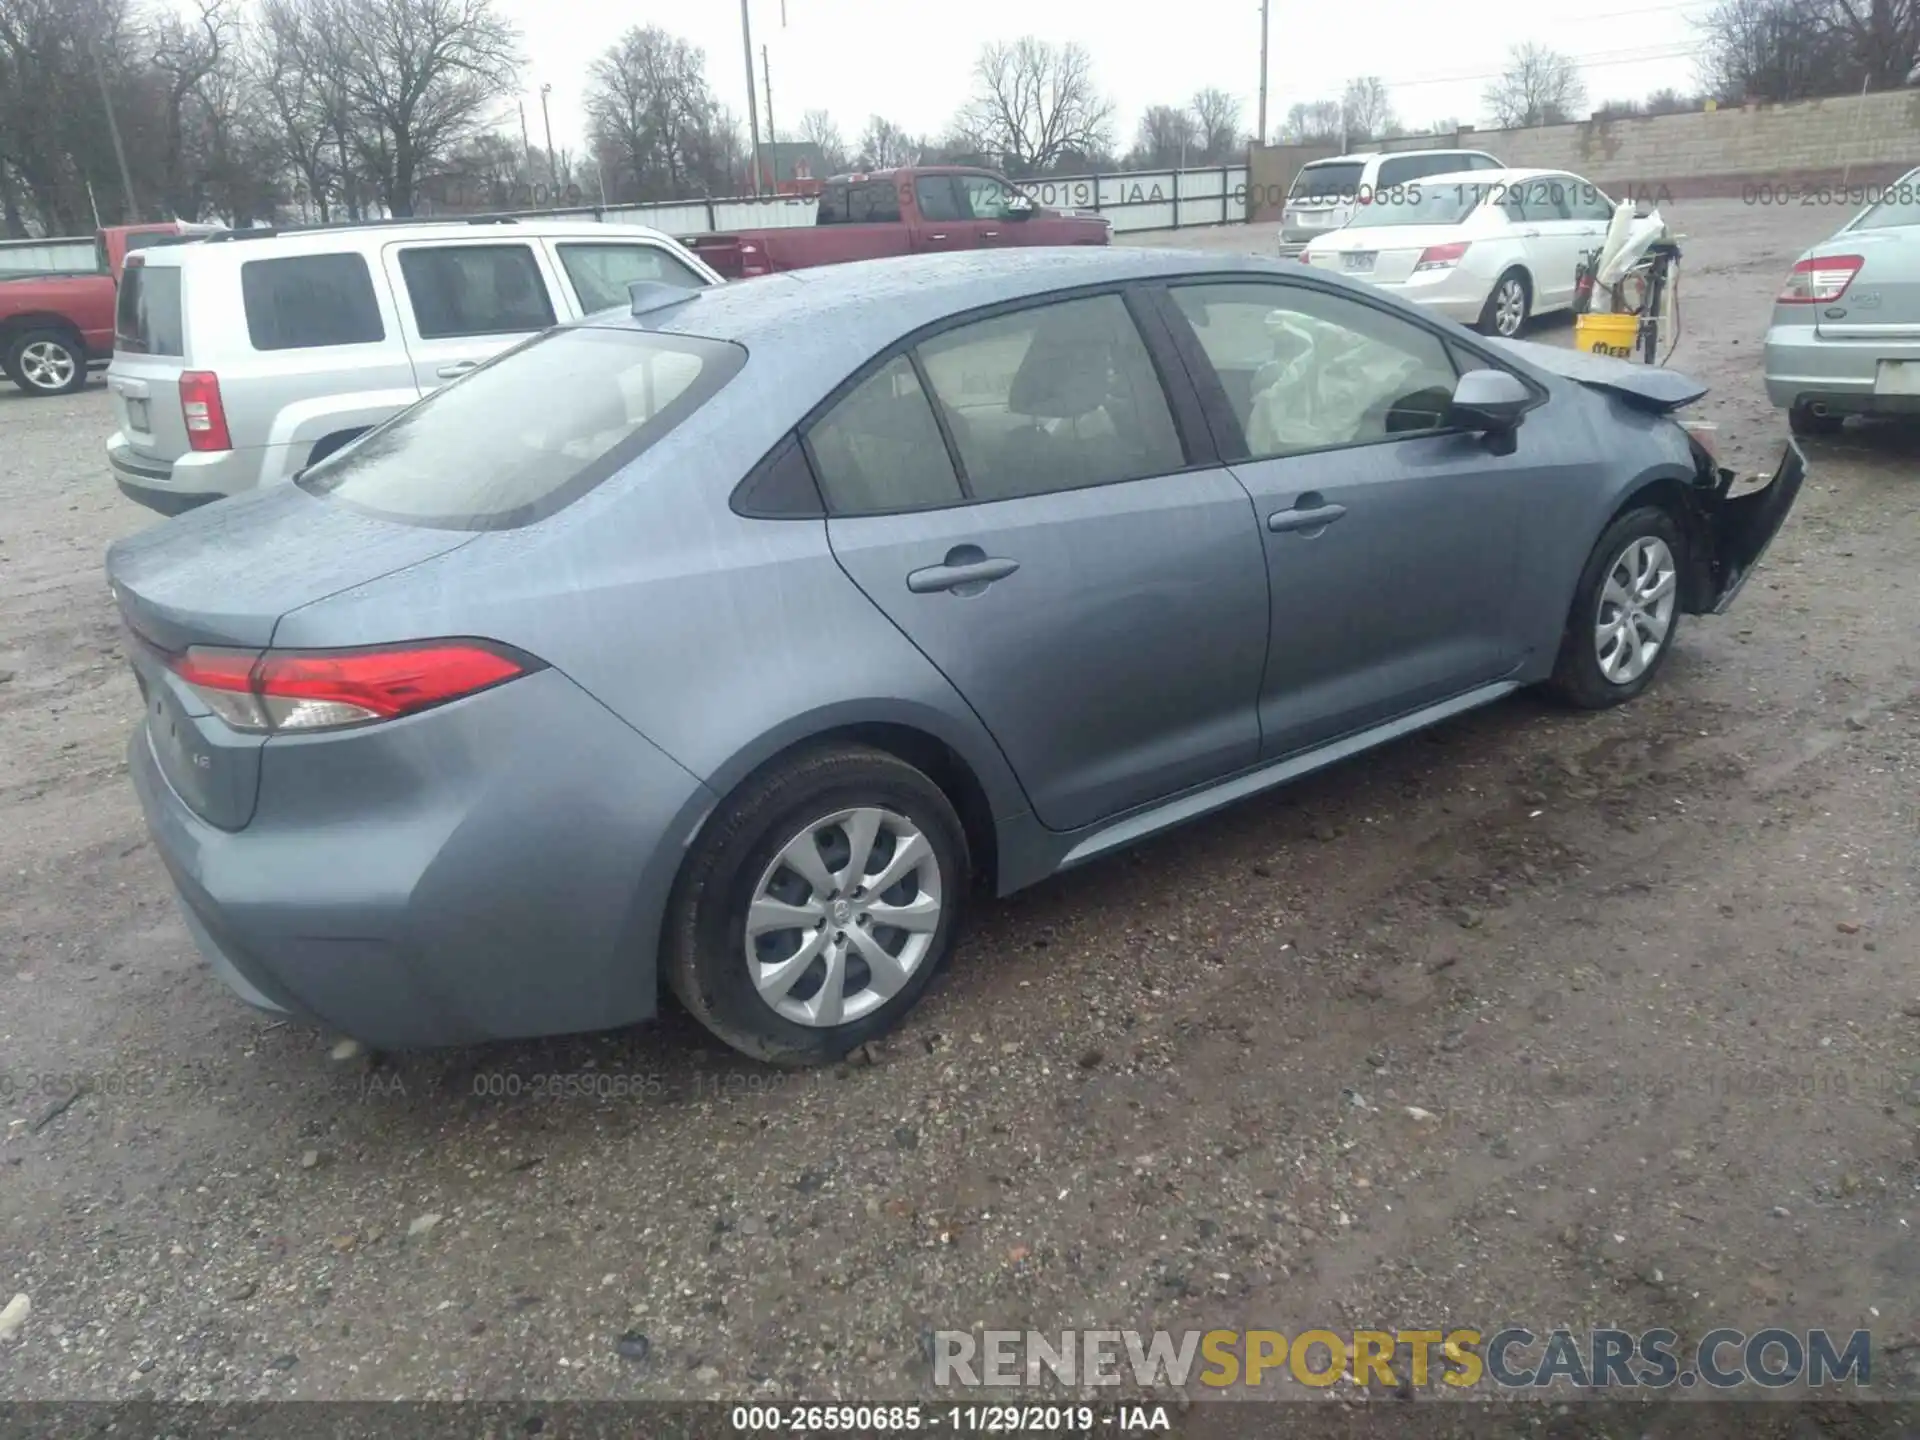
<point>993,234</point>
<point>936,237</point>
<point>967,571</point>
<point>1316,517</point>
<point>455,369</point>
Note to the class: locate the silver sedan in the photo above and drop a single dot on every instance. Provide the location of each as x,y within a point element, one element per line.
<point>1845,337</point>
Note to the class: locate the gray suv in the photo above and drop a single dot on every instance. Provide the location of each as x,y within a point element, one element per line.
<point>242,359</point>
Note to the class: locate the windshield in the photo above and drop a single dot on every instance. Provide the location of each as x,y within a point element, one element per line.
<point>1422,202</point>
<point>1333,180</point>
<point>529,432</point>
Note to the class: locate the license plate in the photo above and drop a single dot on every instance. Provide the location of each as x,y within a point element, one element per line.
<point>1359,261</point>
<point>1897,377</point>
<point>137,414</point>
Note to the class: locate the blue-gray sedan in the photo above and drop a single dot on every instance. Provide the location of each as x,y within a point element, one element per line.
<point>731,642</point>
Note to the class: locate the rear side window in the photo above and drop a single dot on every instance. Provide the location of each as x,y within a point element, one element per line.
<point>475,290</point>
<point>528,432</point>
<point>146,317</point>
<point>601,273</point>
<point>880,448</point>
<point>864,202</point>
<point>936,198</point>
<point>310,301</point>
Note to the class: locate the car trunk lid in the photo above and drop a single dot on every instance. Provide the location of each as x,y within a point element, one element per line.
<point>1384,254</point>
<point>177,587</point>
<point>1882,302</point>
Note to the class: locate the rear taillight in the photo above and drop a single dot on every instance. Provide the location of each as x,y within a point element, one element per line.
<point>326,689</point>
<point>1441,257</point>
<point>1305,257</point>
<point>1820,280</point>
<point>206,416</point>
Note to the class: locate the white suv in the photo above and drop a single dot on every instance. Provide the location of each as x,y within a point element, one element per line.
<point>243,358</point>
<point>1327,194</point>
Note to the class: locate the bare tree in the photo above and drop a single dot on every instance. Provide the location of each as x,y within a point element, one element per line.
<point>818,129</point>
<point>1312,122</point>
<point>1779,50</point>
<point>1668,101</point>
<point>1168,136</point>
<point>421,77</point>
<point>1035,106</point>
<point>1217,122</point>
<point>1540,87</point>
<point>298,66</point>
<point>654,120</point>
<point>885,146</point>
<point>1366,109</point>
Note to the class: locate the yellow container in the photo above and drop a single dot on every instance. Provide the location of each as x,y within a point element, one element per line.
<point>1607,334</point>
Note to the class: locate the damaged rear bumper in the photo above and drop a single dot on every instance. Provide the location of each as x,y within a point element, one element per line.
<point>1741,527</point>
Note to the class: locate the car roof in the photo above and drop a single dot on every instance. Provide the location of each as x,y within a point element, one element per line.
<point>264,242</point>
<point>832,318</point>
<point>1360,157</point>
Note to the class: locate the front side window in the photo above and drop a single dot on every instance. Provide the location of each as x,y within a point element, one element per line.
<point>987,197</point>
<point>1056,397</point>
<point>309,301</point>
<point>525,434</point>
<point>459,290</point>
<point>600,273</point>
<point>1305,370</point>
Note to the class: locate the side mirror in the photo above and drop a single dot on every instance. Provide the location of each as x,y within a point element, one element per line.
<point>1489,401</point>
<point>1020,207</point>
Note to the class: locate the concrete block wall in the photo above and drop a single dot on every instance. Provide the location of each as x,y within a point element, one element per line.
<point>1863,140</point>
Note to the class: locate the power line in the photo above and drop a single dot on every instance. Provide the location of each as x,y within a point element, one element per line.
<point>1600,61</point>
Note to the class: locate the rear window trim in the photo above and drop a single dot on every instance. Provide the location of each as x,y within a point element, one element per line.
<point>732,358</point>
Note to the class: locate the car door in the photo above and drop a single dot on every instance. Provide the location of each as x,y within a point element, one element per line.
<point>1014,493</point>
<point>1391,540</point>
<point>945,223</point>
<point>1553,238</point>
<point>988,200</point>
<point>463,302</point>
<point>597,273</point>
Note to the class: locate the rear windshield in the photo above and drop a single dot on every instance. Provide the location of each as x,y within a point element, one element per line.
<point>1899,207</point>
<point>1423,202</point>
<point>528,432</point>
<point>146,318</point>
<point>1328,182</point>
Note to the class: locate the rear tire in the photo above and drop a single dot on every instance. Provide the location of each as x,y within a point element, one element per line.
<point>1508,306</point>
<point>1803,421</point>
<point>1620,631</point>
<point>745,977</point>
<point>47,362</point>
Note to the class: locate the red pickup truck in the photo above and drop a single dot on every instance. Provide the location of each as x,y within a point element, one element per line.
<point>900,212</point>
<point>54,325</point>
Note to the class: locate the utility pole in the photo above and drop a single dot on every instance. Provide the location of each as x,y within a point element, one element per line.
<point>1263,71</point>
<point>753,88</point>
<point>526,145</point>
<point>773,144</point>
<point>553,176</point>
<point>113,126</point>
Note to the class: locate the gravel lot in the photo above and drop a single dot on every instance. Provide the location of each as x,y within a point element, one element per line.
<point>1650,976</point>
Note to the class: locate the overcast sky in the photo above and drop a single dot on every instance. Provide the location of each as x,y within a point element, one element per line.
<point>856,58</point>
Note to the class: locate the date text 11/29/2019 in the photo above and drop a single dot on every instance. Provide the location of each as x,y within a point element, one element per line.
<point>956,1419</point>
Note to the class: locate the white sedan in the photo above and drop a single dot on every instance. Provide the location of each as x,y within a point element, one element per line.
<point>1486,247</point>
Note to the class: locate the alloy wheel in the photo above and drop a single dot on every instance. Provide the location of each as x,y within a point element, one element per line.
<point>1636,609</point>
<point>47,365</point>
<point>1509,306</point>
<point>843,916</point>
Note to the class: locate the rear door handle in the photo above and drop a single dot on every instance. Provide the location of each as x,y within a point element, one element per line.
<point>961,574</point>
<point>1317,517</point>
<point>993,234</point>
<point>455,369</point>
<point>936,237</point>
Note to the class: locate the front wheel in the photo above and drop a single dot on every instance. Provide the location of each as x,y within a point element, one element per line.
<point>1625,613</point>
<point>1505,313</point>
<point>816,907</point>
<point>47,362</point>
